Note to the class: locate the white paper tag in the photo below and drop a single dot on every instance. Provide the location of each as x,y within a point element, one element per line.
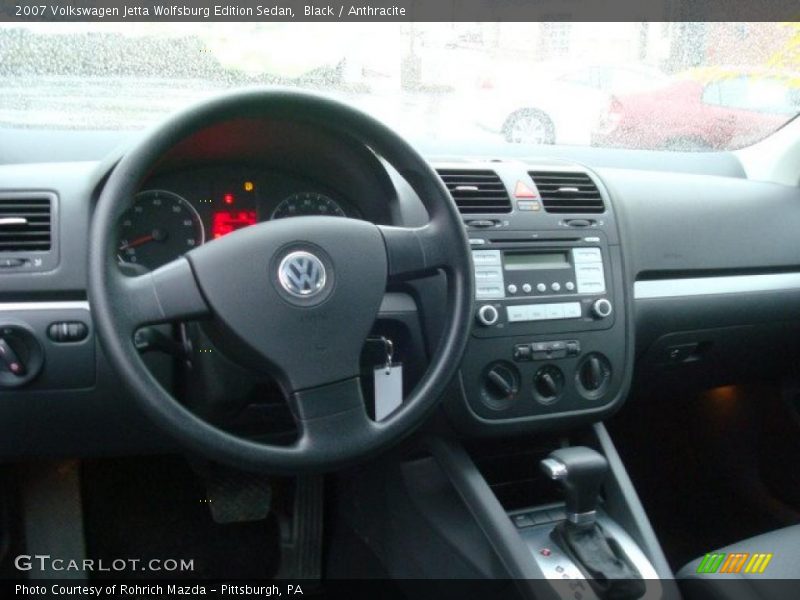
<point>388,390</point>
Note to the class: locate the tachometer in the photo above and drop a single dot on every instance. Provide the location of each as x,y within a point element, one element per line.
<point>306,204</point>
<point>158,228</point>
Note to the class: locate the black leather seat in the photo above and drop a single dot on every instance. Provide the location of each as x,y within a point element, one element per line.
<point>780,579</point>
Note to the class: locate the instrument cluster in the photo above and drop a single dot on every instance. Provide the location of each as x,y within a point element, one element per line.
<point>177,212</point>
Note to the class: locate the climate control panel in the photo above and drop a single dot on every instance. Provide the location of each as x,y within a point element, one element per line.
<point>550,343</point>
<point>535,355</point>
<point>550,339</point>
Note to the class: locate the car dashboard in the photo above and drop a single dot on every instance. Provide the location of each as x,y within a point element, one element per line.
<point>588,278</point>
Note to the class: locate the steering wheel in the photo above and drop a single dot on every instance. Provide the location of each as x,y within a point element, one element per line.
<point>297,296</point>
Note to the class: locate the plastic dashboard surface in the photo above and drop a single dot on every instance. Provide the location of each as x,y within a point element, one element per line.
<point>728,226</point>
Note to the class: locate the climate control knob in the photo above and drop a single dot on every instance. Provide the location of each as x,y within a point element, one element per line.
<point>602,308</point>
<point>488,315</point>
<point>593,375</point>
<point>548,383</point>
<point>500,385</point>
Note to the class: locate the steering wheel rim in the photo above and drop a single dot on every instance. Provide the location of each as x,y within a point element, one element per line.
<point>334,429</point>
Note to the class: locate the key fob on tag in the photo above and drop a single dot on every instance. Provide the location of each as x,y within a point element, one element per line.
<point>388,390</point>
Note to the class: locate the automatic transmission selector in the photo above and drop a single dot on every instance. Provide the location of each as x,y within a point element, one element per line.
<point>610,572</point>
<point>581,472</point>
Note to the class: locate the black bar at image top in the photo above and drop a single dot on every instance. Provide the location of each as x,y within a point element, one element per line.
<point>397,10</point>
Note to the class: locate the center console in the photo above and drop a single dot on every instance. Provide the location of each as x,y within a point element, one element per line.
<point>549,341</point>
<point>550,348</point>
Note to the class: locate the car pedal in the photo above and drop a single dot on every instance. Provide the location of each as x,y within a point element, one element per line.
<point>301,533</point>
<point>236,496</point>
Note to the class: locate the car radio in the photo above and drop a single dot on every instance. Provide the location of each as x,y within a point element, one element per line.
<point>553,278</point>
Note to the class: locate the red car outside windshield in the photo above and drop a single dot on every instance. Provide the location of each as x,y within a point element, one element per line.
<point>723,111</point>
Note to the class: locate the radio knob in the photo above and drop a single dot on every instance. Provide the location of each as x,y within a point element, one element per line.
<point>488,315</point>
<point>602,308</point>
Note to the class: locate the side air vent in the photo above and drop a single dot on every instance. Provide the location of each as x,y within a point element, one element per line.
<point>567,192</point>
<point>25,223</point>
<point>476,191</point>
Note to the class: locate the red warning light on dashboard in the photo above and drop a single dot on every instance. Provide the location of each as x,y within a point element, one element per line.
<point>523,191</point>
<point>227,221</point>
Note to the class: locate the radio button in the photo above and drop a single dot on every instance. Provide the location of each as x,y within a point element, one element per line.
<point>555,286</point>
<point>586,255</point>
<point>512,289</point>
<point>477,242</point>
<point>486,258</point>
<point>591,287</point>
<point>489,292</point>
<point>488,315</point>
<point>538,312</point>
<point>554,311</point>
<point>541,287</point>
<point>569,285</point>
<point>517,313</point>
<point>590,278</point>
<point>572,310</point>
<point>488,273</point>
<point>602,308</point>
<point>526,287</point>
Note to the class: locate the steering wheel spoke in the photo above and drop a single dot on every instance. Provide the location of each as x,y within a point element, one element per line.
<point>170,293</point>
<point>332,419</point>
<point>416,252</point>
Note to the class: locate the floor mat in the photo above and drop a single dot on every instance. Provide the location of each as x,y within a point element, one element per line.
<point>156,508</point>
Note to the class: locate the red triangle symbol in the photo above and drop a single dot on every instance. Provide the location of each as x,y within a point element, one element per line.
<point>523,191</point>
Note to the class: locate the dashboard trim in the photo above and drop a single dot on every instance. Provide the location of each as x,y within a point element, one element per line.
<point>711,286</point>
<point>55,305</point>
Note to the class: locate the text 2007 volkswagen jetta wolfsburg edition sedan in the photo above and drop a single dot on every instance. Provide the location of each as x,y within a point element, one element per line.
<point>277,316</point>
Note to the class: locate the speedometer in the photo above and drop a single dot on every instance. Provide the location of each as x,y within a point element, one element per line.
<point>306,204</point>
<point>158,228</point>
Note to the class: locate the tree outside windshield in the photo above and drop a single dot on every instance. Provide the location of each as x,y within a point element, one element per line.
<point>660,86</point>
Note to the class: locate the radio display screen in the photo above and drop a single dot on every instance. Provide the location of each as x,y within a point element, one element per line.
<point>529,261</point>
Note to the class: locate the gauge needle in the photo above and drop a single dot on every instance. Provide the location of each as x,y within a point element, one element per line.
<point>138,242</point>
<point>157,236</point>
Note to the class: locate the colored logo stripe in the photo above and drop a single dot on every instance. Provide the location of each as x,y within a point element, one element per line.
<point>758,563</point>
<point>734,562</point>
<point>710,563</point>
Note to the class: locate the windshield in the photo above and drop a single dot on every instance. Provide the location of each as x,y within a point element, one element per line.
<point>662,86</point>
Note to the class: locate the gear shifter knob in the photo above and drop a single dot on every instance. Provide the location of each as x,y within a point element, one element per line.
<point>581,472</point>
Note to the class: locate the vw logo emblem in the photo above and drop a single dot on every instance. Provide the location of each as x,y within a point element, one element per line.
<point>302,274</point>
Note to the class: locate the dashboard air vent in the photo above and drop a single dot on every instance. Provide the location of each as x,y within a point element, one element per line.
<point>25,223</point>
<point>567,192</point>
<point>476,191</point>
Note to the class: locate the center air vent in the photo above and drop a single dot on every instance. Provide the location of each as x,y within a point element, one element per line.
<point>476,191</point>
<point>25,222</point>
<point>567,192</point>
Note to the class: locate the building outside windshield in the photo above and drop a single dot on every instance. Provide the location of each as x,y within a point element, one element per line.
<point>659,86</point>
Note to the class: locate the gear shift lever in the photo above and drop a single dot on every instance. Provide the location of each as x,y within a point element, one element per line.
<point>581,472</point>
<point>609,571</point>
